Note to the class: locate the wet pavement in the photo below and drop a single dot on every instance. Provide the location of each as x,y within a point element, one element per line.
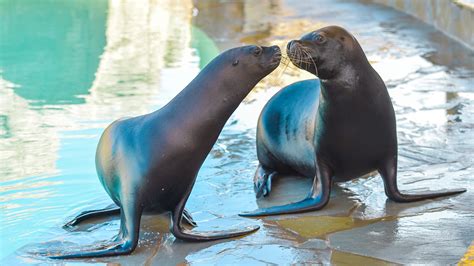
<point>49,142</point>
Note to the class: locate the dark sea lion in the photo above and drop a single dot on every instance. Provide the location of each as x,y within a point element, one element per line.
<point>335,128</point>
<point>149,163</point>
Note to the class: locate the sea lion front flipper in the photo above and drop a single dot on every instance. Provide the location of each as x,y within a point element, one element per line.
<point>124,243</point>
<point>263,181</point>
<point>127,238</point>
<point>85,215</point>
<point>187,218</point>
<point>317,199</point>
<point>187,235</point>
<point>388,171</point>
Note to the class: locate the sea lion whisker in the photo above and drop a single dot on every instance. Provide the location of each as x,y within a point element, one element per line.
<point>303,57</point>
<point>308,55</point>
<point>285,64</point>
<point>283,70</point>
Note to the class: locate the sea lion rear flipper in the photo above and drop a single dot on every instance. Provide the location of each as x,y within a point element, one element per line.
<point>110,210</point>
<point>402,197</point>
<point>317,199</point>
<point>388,171</point>
<point>188,235</point>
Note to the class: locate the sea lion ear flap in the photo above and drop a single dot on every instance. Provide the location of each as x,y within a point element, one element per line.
<point>353,41</point>
<point>236,62</point>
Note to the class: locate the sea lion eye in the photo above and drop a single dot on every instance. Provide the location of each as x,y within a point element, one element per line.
<point>236,62</point>
<point>319,38</point>
<point>257,51</point>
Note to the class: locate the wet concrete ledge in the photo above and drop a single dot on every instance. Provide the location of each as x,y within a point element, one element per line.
<point>453,17</point>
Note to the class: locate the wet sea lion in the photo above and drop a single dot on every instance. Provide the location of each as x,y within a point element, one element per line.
<point>335,128</point>
<point>149,163</point>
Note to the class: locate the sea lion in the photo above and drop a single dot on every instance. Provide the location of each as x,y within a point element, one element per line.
<point>335,128</point>
<point>149,163</point>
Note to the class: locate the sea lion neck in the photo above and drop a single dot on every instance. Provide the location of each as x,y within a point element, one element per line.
<point>349,81</point>
<point>211,98</point>
<point>219,89</point>
<point>343,85</point>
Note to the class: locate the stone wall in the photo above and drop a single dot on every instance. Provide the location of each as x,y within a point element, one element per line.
<point>453,17</point>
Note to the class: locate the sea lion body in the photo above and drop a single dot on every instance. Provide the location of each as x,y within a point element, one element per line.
<point>149,163</point>
<point>285,129</point>
<point>335,128</point>
<point>160,160</point>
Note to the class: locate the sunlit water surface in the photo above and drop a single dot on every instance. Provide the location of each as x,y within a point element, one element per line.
<point>69,68</point>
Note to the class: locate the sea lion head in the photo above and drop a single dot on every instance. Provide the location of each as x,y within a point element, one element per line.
<point>253,60</point>
<point>325,52</point>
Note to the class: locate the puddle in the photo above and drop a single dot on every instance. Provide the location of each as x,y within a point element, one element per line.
<point>344,258</point>
<point>321,226</point>
<point>468,257</point>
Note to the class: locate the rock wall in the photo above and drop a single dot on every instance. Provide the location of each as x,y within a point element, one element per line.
<point>453,17</point>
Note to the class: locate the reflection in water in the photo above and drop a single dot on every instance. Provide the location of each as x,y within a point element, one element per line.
<point>229,21</point>
<point>152,50</point>
<point>451,97</point>
<point>142,39</point>
<point>51,48</point>
<point>5,131</point>
<point>205,47</point>
<point>49,53</point>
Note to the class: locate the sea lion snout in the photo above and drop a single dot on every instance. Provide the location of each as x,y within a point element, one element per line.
<point>273,50</point>
<point>276,53</point>
<point>276,50</point>
<point>271,56</point>
<point>302,56</point>
<point>291,46</point>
